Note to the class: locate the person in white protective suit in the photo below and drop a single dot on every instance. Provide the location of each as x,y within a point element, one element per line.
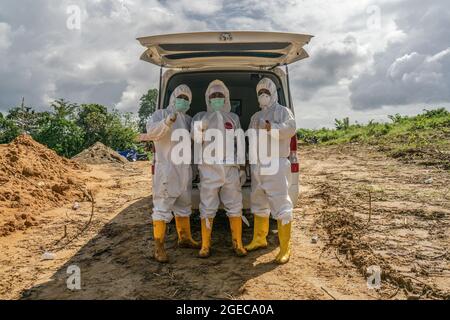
<point>219,180</point>
<point>270,192</point>
<point>172,183</point>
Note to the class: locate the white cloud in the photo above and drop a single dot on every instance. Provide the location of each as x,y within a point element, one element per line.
<point>414,68</point>
<point>197,7</point>
<point>353,68</point>
<point>5,31</point>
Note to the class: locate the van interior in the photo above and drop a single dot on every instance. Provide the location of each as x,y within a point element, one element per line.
<point>241,84</point>
<point>242,87</point>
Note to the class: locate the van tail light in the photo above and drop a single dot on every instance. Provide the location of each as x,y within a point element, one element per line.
<point>295,168</point>
<point>153,168</point>
<point>294,143</point>
<point>293,155</point>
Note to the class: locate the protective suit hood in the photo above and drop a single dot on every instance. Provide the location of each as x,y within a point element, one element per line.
<point>181,89</point>
<point>268,84</point>
<point>218,86</point>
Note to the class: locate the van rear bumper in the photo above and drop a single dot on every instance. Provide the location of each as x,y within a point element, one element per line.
<point>293,192</point>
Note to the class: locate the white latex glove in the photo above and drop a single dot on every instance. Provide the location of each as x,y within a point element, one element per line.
<point>171,118</point>
<point>205,124</point>
<point>264,125</point>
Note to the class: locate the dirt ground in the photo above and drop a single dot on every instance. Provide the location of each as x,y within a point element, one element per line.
<point>363,207</point>
<point>34,178</point>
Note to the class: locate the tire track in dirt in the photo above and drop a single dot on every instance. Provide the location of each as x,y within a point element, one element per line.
<point>377,211</point>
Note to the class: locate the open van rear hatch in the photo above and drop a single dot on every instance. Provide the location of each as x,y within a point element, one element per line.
<point>224,49</point>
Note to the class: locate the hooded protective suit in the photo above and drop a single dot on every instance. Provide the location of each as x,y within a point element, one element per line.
<point>219,181</point>
<point>172,183</point>
<point>270,192</point>
<point>219,176</point>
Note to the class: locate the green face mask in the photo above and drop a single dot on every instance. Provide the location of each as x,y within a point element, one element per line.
<point>181,105</point>
<point>217,103</point>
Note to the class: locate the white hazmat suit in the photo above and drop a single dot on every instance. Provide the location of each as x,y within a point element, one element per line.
<point>219,181</point>
<point>172,181</point>
<point>270,192</point>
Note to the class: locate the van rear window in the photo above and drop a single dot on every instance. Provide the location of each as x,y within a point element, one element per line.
<point>190,55</point>
<point>224,46</point>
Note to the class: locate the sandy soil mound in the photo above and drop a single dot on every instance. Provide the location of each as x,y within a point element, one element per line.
<point>33,178</point>
<point>99,154</point>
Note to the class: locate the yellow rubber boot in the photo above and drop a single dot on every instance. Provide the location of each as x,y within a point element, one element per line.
<point>205,251</point>
<point>159,233</point>
<point>284,235</point>
<point>236,236</point>
<point>260,232</point>
<point>185,240</point>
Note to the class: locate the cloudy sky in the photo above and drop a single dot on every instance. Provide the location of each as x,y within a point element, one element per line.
<point>368,58</point>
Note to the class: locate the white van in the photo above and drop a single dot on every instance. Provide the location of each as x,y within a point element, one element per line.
<point>240,59</point>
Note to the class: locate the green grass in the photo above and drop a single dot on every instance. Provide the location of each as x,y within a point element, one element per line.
<point>424,139</point>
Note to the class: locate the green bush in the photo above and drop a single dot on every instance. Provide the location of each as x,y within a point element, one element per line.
<point>8,130</point>
<point>61,135</point>
<point>70,128</point>
<point>402,129</point>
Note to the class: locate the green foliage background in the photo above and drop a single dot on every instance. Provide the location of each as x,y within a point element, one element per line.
<point>424,137</point>
<point>70,128</point>
<point>401,126</point>
<point>147,105</point>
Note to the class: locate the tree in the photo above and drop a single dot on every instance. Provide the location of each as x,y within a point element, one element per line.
<point>93,119</point>
<point>59,130</point>
<point>8,130</point>
<point>113,129</point>
<point>61,135</point>
<point>64,109</point>
<point>121,131</point>
<point>147,106</point>
<point>396,118</point>
<point>343,124</point>
<point>69,128</point>
<point>25,118</point>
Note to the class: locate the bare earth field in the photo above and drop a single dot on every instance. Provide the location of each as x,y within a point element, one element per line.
<point>364,208</point>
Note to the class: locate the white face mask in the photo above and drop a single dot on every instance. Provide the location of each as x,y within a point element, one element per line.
<point>264,100</point>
